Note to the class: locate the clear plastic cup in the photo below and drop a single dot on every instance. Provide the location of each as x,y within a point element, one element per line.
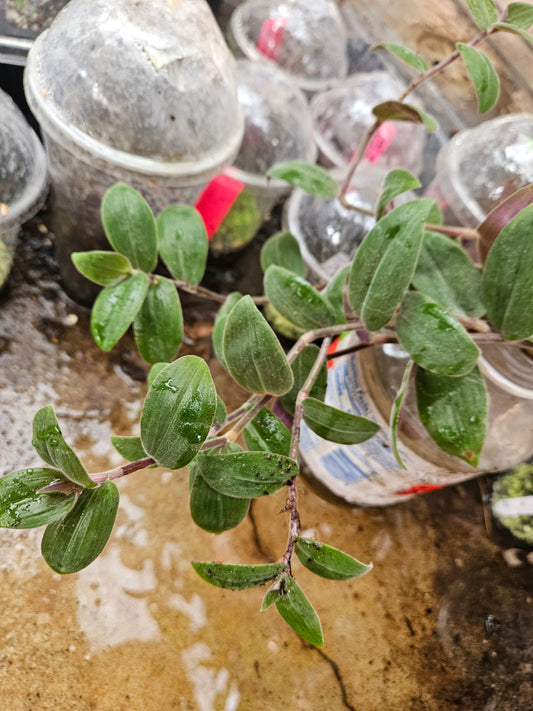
<point>307,40</point>
<point>342,115</point>
<point>143,93</point>
<point>23,182</point>
<point>482,166</point>
<point>277,127</point>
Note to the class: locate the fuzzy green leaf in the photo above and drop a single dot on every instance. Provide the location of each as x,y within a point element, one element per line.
<point>296,300</point>
<point>484,12</point>
<point>115,308</point>
<point>398,111</point>
<point>336,425</point>
<point>454,412</point>
<point>51,446</point>
<point>178,412</point>
<point>104,268</point>
<point>334,292</point>
<point>246,475</point>
<point>499,216</point>
<point>183,243</point>
<point>220,412</point>
<point>520,14</point>
<point>483,75</point>
<point>158,326</point>
<point>405,54</point>
<point>433,338</point>
<point>220,324</point>
<point>73,542</point>
<point>301,367</point>
<point>22,505</point>
<point>130,226</point>
<point>396,182</point>
<point>385,263</point>
<point>283,250</point>
<point>312,178</point>
<point>254,356</point>
<point>237,577</point>
<point>506,281</point>
<point>129,447</point>
<point>154,372</point>
<point>328,562</point>
<point>514,29</point>
<point>298,612</point>
<point>395,412</point>
<point>267,433</point>
<point>447,275</point>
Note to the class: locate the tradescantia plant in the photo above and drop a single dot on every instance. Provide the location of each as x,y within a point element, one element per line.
<point>409,283</point>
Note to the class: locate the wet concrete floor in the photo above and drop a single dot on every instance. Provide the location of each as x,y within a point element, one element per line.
<point>444,620</point>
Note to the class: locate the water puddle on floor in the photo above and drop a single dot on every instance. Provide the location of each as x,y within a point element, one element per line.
<point>441,622</point>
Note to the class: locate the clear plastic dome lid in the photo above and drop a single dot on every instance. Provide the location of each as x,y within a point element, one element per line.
<point>153,80</point>
<point>23,181</point>
<point>305,39</point>
<point>342,115</point>
<point>482,166</point>
<point>277,122</point>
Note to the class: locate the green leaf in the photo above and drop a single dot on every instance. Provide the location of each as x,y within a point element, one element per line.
<point>130,226</point>
<point>433,338</point>
<point>237,577</point>
<point>115,308</point>
<point>396,182</point>
<point>447,275</point>
<point>514,29</point>
<point>336,425</point>
<point>22,505</point>
<point>454,412</point>
<point>334,292</point>
<point>220,412</point>
<point>104,268</point>
<point>271,595</point>
<point>296,300</point>
<point>154,372</point>
<point>385,263</point>
<point>211,510</point>
<point>129,447</point>
<point>267,433</point>
<point>435,214</point>
<point>298,612</point>
<point>254,356</point>
<point>283,250</point>
<point>405,54</point>
<point>51,446</point>
<point>220,324</point>
<point>301,367</point>
<point>506,281</point>
<point>520,14</point>
<point>499,216</point>
<point>183,243</point>
<point>395,412</point>
<point>398,111</point>
<point>483,75</point>
<point>312,178</point>
<point>246,475</point>
<point>178,412</point>
<point>158,326</point>
<point>484,12</point>
<point>328,562</point>
<point>73,542</point>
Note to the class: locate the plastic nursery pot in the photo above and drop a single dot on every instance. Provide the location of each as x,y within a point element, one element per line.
<point>307,40</point>
<point>342,114</point>
<point>140,93</point>
<point>23,183</point>
<point>277,127</point>
<point>482,166</point>
<point>366,384</point>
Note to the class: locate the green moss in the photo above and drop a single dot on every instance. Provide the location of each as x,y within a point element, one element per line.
<point>239,226</point>
<point>514,483</point>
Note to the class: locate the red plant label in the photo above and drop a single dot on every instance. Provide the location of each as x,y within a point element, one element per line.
<point>381,141</point>
<point>271,37</point>
<point>216,201</point>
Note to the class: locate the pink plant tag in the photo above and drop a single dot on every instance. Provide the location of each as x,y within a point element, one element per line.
<point>216,201</point>
<point>271,37</point>
<point>381,141</point>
